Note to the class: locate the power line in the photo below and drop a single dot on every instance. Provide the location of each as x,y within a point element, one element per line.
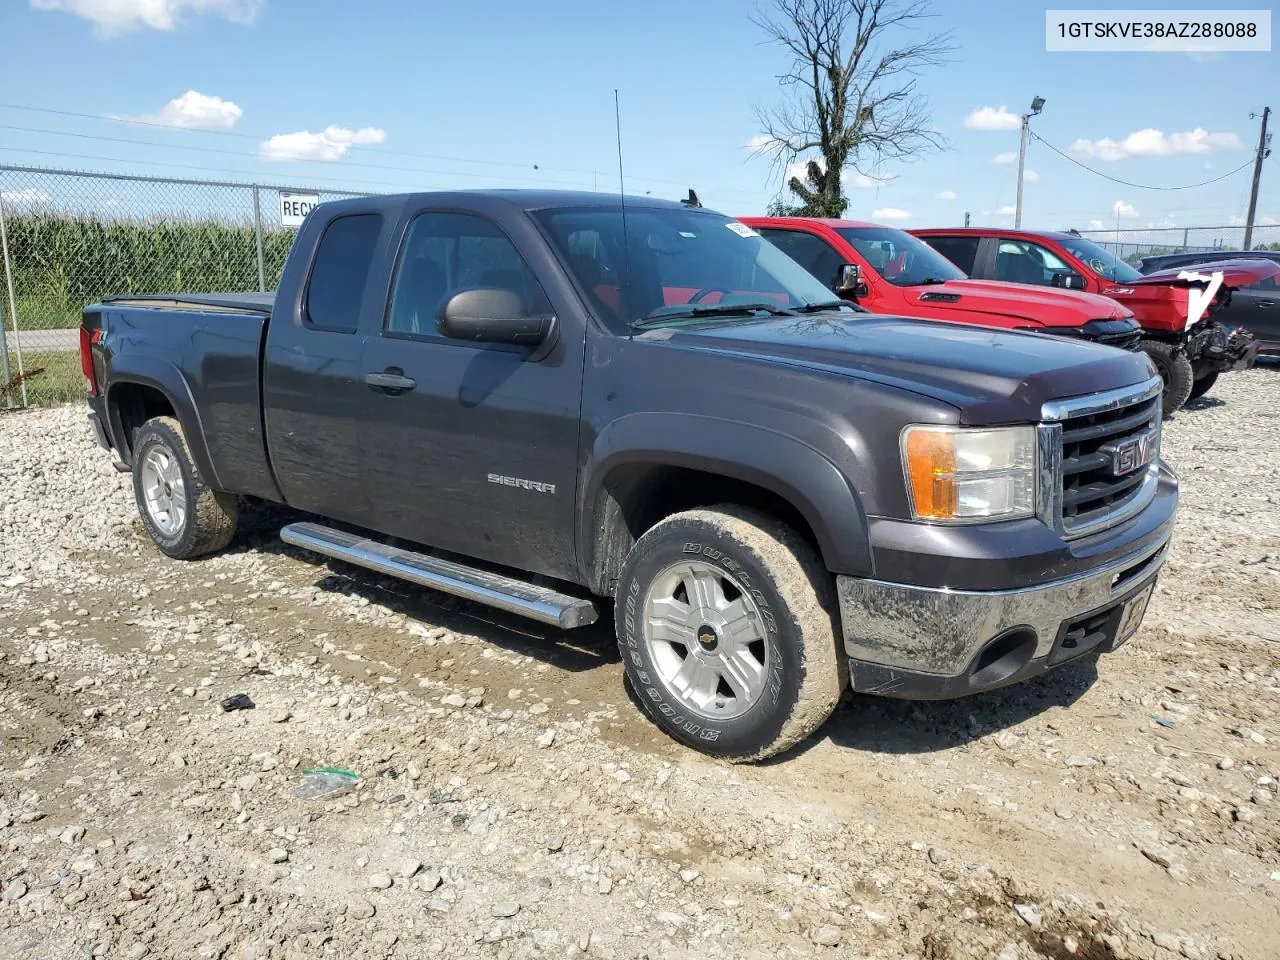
<point>1130,183</point>
<point>133,121</point>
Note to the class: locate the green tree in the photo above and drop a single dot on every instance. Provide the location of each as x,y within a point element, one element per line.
<point>852,91</point>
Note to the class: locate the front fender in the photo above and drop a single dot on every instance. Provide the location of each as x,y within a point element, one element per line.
<point>167,378</point>
<point>785,466</point>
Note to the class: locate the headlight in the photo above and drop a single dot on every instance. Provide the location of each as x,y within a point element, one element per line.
<point>963,475</point>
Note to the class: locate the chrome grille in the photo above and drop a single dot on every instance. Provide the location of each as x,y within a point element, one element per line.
<point>1085,444</point>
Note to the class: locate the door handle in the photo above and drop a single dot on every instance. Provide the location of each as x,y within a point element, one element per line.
<point>391,381</point>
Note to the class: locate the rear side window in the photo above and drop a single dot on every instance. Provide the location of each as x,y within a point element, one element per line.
<point>962,251</point>
<point>341,272</point>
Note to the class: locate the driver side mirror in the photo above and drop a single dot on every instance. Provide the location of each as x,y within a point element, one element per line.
<point>492,315</point>
<point>1068,281</point>
<point>849,282</point>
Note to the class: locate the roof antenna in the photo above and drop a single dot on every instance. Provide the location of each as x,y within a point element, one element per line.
<point>625,289</point>
<point>692,200</point>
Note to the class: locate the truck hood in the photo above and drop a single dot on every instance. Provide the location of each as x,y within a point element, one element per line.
<point>991,376</point>
<point>1036,306</point>
<point>1237,272</point>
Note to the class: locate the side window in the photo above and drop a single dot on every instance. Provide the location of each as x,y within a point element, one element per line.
<point>811,252</point>
<point>962,251</point>
<point>340,273</point>
<point>444,253</point>
<point>1020,261</point>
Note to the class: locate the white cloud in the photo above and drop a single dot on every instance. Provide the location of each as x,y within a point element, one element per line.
<point>852,179</point>
<point>1154,143</point>
<point>1030,176</point>
<point>757,143</point>
<point>863,181</point>
<point>1123,210</point>
<point>992,118</point>
<point>946,195</point>
<point>1096,225</point>
<point>889,213</point>
<point>331,143</point>
<point>1007,211</point>
<point>1003,159</point>
<point>196,111</point>
<point>113,17</point>
<point>26,197</point>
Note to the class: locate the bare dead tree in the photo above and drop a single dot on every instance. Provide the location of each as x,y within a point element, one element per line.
<point>852,94</point>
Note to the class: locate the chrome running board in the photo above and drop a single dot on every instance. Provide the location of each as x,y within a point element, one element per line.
<point>503,593</point>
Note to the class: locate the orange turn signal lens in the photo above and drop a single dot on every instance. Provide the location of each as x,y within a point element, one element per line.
<point>930,457</point>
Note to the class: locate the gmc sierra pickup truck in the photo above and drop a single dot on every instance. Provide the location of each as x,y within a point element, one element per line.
<point>556,404</point>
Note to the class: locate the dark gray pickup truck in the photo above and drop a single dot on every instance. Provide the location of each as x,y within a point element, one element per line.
<point>560,405</point>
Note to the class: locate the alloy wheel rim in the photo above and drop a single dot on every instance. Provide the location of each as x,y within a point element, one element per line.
<point>164,491</point>
<point>705,636</point>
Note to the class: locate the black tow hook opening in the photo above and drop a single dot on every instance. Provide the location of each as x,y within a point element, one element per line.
<point>1003,657</point>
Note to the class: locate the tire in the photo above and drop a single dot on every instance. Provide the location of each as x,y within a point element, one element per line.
<point>774,607</point>
<point>1203,385</point>
<point>1174,369</point>
<point>183,516</point>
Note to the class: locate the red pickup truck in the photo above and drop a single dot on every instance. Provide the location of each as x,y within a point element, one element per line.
<point>889,271</point>
<point>1188,347</point>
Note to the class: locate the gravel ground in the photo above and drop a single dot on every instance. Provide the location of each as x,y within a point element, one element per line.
<point>514,803</point>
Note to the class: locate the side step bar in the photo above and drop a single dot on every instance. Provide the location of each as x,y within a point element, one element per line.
<point>495,590</point>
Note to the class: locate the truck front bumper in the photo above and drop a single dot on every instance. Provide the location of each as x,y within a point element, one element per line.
<point>926,643</point>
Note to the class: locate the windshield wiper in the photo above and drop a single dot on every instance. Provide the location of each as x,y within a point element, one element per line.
<point>718,310</point>
<point>826,305</point>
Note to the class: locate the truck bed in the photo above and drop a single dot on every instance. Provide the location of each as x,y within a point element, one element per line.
<point>258,303</point>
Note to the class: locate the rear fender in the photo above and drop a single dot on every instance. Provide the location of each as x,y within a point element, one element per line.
<point>167,378</point>
<point>776,462</point>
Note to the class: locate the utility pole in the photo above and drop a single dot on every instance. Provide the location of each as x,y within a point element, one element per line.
<point>966,218</point>
<point>1036,106</point>
<point>1263,152</point>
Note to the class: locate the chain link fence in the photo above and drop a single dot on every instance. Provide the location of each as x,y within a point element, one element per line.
<point>72,238</point>
<point>1132,245</point>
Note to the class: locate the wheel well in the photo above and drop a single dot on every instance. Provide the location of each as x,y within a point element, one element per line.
<point>132,405</point>
<point>636,497</point>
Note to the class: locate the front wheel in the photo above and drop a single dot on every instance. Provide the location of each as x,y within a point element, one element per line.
<point>1174,369</point>
<point>184,517</point>
<point>1203,385</point>
<point>724,619</point>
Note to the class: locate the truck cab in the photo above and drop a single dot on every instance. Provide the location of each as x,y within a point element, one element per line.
<point>887,270</point>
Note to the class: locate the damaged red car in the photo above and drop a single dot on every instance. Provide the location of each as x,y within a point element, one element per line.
<point>1174,307</point>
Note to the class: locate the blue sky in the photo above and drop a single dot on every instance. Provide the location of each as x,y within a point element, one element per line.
<point>422,95</point>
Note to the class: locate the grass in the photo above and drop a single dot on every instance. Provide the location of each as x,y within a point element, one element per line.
<point>59,379</point>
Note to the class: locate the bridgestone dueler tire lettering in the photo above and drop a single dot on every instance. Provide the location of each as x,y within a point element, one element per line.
<point>795,596</point>
<point>210,517</point>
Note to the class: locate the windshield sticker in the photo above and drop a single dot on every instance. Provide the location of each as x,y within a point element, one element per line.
<point>688,234</point>
<point>741,229</point>
<point>1099,266</point>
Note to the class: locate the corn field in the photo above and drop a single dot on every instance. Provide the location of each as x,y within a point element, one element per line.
<point>63,263</point>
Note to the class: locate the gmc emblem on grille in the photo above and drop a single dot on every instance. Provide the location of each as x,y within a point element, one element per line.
<point>1131,453</point>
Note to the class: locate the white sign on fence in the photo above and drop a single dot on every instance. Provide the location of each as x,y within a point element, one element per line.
<point>294,207</point>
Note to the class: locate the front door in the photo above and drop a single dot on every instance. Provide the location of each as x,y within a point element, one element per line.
<point>471,447</point>
<point>1257,309</point>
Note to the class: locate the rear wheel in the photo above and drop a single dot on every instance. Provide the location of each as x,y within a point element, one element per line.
<point>724,619</point>
<point>1174,369</point>
<point>1203,385</point>
<point>183,516</point>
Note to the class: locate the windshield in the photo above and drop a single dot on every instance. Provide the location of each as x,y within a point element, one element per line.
<point>899,257</point>
<point>1100,260</point>
<point>680,265</point>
